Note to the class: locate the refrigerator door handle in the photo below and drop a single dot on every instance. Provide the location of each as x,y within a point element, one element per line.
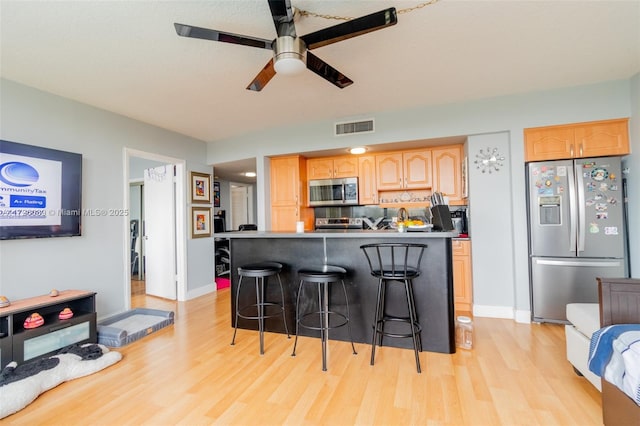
<point>596,263</point>
<point>573,215</point>
<point>581,208</point>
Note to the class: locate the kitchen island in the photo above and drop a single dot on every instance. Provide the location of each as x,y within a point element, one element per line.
<point>433,289</point>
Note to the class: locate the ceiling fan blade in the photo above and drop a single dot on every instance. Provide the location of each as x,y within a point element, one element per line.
<point>327,72</point>
<point>207,34</point>
<point>352,28</point>
<point>282,13</point>
<point>263,77</point>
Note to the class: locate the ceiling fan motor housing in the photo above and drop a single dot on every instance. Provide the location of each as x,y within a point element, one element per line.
<point>289,50</point>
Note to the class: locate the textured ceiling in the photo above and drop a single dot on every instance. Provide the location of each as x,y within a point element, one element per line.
<point>125,57</point>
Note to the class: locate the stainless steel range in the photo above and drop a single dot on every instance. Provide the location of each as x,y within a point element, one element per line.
<point>339,223</point>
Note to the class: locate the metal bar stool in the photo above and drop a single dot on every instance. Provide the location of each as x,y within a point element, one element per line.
<point>395,263</point>
<point>258,310</point>
<point>323,277</point>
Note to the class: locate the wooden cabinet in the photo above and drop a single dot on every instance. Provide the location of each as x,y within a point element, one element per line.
<point>367,188</point>
<point>462,279</point>
<point>20,344</point>
<point>332,167</point>
<point>289,194</point>
<point>577,140</point>
<point>447,172</point>
<point>404,170</point>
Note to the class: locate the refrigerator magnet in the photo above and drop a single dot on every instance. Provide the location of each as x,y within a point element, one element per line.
<point>610,230</point>
<point>561,170</point>
<point>599,174</point>
<point>594,228</point>
<point>602,215</point>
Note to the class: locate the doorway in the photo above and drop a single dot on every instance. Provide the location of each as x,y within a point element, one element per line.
<point>139,197</point>
<point>241,205</point>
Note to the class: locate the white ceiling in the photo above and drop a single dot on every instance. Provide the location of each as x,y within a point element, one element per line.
<point>125,57</point>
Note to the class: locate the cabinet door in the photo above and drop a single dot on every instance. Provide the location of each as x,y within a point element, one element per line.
<point>367,189</point>
<point>462,281</point>
<point>320,168</point>
<point>447,172</point>
<point>602,138</point>
<point>345,167</point>
<point>417,169</point>
<point>549,143</point>
<point>284,218</point>
<point>389,171</point>
<point>285,181</point>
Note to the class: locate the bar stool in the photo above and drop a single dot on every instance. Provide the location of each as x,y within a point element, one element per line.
<point>322,276</point>
<point>395,263</point>
<point>258,310</point>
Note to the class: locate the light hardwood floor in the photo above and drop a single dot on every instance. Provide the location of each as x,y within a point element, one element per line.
<point>188,374</point>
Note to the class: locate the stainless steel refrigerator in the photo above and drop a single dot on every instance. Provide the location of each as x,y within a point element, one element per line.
<point>576,232</point>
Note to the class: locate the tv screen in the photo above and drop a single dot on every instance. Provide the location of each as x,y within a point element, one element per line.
<point>40,192</point>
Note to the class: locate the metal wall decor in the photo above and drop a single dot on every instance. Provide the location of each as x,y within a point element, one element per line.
<point>489,161</point>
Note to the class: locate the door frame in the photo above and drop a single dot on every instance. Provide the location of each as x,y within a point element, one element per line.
<point>180,221</point>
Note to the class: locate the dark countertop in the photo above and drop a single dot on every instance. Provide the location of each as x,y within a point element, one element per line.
<point>338,233</point>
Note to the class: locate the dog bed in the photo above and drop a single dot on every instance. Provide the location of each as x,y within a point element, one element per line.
<point>21,384</point>
<point>132,325</point>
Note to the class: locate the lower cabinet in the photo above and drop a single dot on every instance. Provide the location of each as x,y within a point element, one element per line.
<point>462,279</point>
<point>20,344</point>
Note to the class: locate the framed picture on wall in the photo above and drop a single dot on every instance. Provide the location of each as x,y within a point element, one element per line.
<point>200,222</point>
<point>200,187</point>
<point>216,194</point>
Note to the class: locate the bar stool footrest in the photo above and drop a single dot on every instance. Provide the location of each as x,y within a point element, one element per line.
<point>416,327</point>
<point>331,314</point>
<point>242,312</point>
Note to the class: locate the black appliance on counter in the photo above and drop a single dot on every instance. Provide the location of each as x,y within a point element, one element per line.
<point>459,219</point>
<point>339,223</point>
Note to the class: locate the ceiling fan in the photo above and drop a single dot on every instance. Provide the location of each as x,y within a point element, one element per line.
<point>290,51</point>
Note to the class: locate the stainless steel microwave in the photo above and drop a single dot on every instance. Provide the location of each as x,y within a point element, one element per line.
<point>333,192</point>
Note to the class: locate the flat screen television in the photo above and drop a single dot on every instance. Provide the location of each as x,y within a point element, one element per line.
<point>40,192</point>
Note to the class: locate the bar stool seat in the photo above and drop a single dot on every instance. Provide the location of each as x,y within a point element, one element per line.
<point>397,263</point>
<point>323,276</point>
<point>262,309</point>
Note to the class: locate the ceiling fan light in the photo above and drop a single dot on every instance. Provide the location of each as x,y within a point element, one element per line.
<point>289,65</point>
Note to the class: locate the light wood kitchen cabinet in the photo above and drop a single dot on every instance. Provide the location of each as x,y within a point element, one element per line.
<point>462,279</point>
<point>289,194</point>
<point>577,140</point>
<point>367,188</point>
<point>332,167</point>
<point>404,170</point>
<point>447,172</point>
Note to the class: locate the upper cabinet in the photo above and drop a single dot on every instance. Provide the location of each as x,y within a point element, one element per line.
<point>577,140</point>
<point>332,167</point>
<point>404,170</point>
<point>367,188</point>
<point>289,194</point>
<point>447,172</point>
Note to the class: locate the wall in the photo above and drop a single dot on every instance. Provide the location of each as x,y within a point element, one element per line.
<point>96,260</point>
<point>508,114</point>
<point>633,178</point>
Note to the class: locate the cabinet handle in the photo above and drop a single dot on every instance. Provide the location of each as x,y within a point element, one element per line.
<point>571,150</point>
<point>581,150</point>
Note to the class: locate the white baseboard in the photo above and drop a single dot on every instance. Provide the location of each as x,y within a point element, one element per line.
<point>523,317</point>
<point>493,311</point>
<point>201,291</point>
<point>504,312</point>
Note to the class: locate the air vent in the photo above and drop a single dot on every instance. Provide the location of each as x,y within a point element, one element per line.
<point>365,126</point>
